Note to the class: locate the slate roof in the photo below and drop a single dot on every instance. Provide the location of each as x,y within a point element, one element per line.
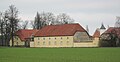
<point>60,30</point>
<point>23,34</point>
<point>102,27</point>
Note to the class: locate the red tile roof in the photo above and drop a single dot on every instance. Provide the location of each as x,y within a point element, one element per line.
<point>23,34</point>
<point>96,34</point>
<point>60,30</point>
<point>113,30</point>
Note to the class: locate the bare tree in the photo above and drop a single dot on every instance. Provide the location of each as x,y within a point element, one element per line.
<point>64,19</point>
<point>117,24</point>
<point>7,29</point>
<point>1,29</point>
<point>23,24</point>
<point>43,19</point>
<point>108,40</point>
<point>48,18</point>
<point>13,20</point>
<point>32,24</point>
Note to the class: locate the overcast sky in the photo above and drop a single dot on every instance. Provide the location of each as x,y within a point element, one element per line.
<point>85,12</point>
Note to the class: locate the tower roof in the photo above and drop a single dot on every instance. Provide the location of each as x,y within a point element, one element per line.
<point>102,26</point>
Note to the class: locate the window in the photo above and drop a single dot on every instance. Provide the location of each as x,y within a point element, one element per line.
<point>38,43</point>
<point>43,38</point>
<point>61,43</point>
<point>67,37</point>
<point>17,38</point>
<point>67,41</point>
<point>17,43</point>
<point>38,38</point>
<point>49,43</point>
<point>44,43</point>
<point>55,42</point>
<point>32,39</point>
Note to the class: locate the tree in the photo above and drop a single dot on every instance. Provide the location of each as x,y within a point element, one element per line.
<point>48,18</point>
<point>1,28</point>
<point>37,22</point>
<point>23,24</point>
<point>13,20</point>
<point>43,19</point>
<point>117,24</point>
<point>108,40</point>
<point>6,27</point>
<point>64,19</point>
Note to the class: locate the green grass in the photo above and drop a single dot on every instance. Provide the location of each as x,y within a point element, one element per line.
<point>59,54</point>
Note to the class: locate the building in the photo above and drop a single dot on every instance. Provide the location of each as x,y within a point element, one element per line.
<point>102,29</point>
<point>99,31</point>
<point>96,34</point>
<point>66,35</point>
<point>111,37</point>
<point>23,37</point>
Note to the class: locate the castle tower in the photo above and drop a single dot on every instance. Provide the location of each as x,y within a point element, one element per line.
<point>102,29</point>
<point>117,24</point>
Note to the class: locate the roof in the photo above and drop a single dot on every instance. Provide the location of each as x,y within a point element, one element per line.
<point>102,26</point>
<point>97,33</point>
<point>25,33</point>
<point>60,30</point>
<point>113,30</point>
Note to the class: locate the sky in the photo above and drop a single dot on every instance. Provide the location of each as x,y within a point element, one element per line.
<point>84,12</point>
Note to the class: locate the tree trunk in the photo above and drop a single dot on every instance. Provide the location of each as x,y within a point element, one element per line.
<point>2,34</point>
<point>12,31</point>
<point>12,35</point>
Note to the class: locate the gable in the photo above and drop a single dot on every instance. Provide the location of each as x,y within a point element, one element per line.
<point>96,34</point>
<point>25,34</point>
<point>81,36</point>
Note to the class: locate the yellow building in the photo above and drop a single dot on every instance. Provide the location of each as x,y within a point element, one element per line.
<point>66,35</point>
<point>98,33</point>
<point>23,37</point>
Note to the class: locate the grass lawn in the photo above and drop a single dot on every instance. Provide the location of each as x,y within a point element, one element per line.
<point>59,54</point>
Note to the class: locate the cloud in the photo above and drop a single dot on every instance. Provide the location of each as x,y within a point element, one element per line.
<point>86,12</point>
<point>109,6</point>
